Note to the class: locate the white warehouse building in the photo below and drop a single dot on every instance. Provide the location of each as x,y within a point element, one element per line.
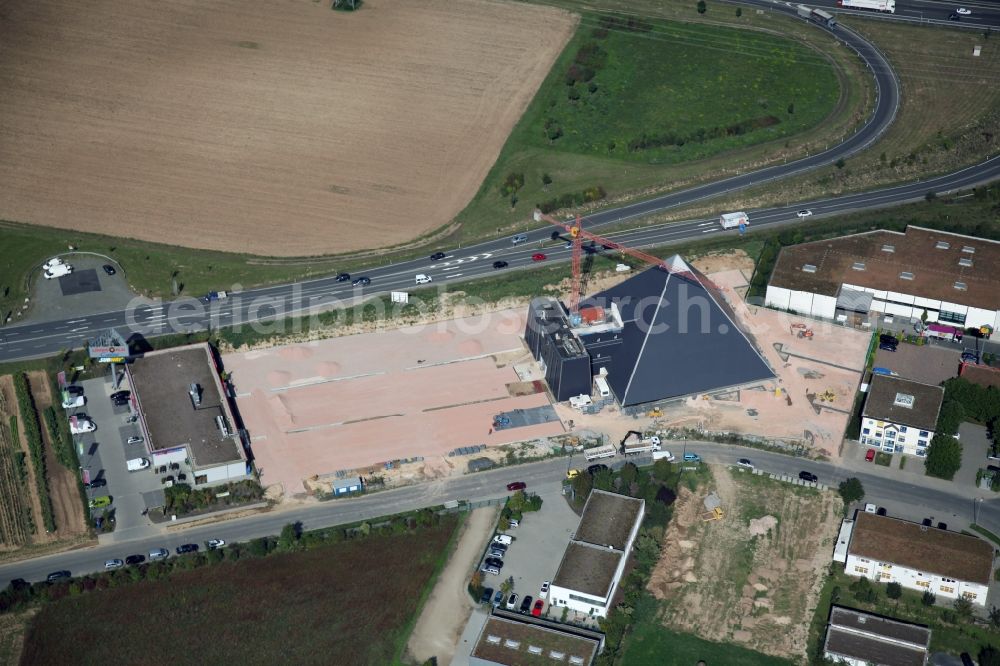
<point>900,415</point>
<point>949,278</point>
<point>594,561</point>
<point>948,564</point>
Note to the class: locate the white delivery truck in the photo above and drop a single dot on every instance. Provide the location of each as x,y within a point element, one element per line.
<point>888,6</point>
<point>734,220</point>
<point>663,455</point>
<point>136,464</point>
<point>645,446</point>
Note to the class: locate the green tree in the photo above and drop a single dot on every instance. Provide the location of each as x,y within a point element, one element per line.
<point>931,195</point>
<point>603,480</point>
<point>995,617</point>
<point>582,485</point>
<point>928,598</point>
<point>702,8</point>
<point>628,473</point>
<point>894,590</point>
<point>963,607</point>
<point>851,490</point>
<point>951,415</point>
<point>840,163</point>
<point>663,469</point>
<point>989,656</point>
<point>944,457</point>
<point>290,536</point>
<point>546,181</point>
<point>739,12</point>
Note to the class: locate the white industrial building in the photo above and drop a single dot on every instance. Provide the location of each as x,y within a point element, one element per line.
<point>947,564</point>
<point>185,415</point>
<point>594,561</point>
<point>900,415</point>
<point>921,274</point>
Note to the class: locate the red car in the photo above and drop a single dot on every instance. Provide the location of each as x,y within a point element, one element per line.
<point>538,256</point>
<point>870,456</point>
<point>537,608</point>
<point>517,485</point>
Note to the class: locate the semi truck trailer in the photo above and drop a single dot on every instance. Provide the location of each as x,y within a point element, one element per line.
<point>734,220</point>
<point>888,6</point>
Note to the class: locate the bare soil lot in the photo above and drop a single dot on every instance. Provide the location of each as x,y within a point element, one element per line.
<point>316,408</point>
<point>214,125</point>
<point>754,576</point>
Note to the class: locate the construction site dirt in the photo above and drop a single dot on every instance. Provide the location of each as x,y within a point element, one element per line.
<point>750,573</point>
<point>340,405</point>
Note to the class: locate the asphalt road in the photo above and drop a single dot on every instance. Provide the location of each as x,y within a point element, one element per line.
<point>984,14</point>
<point>545,476</point>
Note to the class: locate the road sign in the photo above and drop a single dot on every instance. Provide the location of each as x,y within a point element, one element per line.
<point>400,297</point>
<point>108,347</point>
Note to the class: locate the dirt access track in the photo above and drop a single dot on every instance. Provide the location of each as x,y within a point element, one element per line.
<point>754,576</point>
<point>214,125</point>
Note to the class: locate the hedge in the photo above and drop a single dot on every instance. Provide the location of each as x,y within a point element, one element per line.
<point>29,417</point>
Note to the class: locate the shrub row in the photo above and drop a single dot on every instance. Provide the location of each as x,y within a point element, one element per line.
<point>182,499</point>
<point>595,193</point>
<point>62,441</point>
<point>29,417</point>
<point>701,135</point>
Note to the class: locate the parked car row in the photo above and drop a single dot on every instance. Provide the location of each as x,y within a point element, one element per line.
<point>133,560</point>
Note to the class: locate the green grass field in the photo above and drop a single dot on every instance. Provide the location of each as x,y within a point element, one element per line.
<point>346,603</point>
<point>652,643</point>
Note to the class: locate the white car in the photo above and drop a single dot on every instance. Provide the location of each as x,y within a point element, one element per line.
<point>74,401</point>
<point>215,543</point>
<point>804,213</point>
<point>870,508</point>
<point>113,564</point>
<point>512,601</point>
<point>744,462</point>
<point>542,593</point>
<point>963,11</point>
<point>79,425</point>
<point>423,279</point>
<point>54,261</point>
<point>58,271</point>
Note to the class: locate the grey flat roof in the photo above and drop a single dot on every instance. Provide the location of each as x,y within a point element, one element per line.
<point>678,338</point>
<point>588,569</point>
<point>608,519</point>
<point>877,625</point>
<point>870,649</point>
<point>161,380</point>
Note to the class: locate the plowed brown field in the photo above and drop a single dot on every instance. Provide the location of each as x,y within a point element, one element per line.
<point>278,128</point>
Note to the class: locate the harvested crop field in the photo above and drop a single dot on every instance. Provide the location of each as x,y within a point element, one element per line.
<point>343,603</point>
<point>214,125</point>
<point>752,578</point>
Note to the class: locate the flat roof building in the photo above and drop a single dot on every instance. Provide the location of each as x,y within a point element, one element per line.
<point>660,335</point>
<point>594,560</point>
<point>947,564</point>
<point>509,639</point>
<point>185,414</point>
<point>860,639</point>
<point>950,277</point>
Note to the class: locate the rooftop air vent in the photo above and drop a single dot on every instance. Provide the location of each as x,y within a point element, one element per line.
<point>493,639</point>
<point>858,266</point>
<point>903,400</point>
<point>808,268</point>
<point>906,275</point>
<point>968,249</point>
<point>511,643</point>
<point>966,262</point>
<point>961,286</point>
<point>558,656</point>
<point>534,649</point>
<point>576,660</point>
<point>942,245</point>
<point>888,248</point>
<point>195,393</point>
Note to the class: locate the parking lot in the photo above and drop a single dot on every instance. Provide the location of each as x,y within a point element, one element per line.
<point>105,453</point>
<point>537,549</point>
<point>928,364</point>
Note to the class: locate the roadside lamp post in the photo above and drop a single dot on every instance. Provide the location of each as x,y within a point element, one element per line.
<point>975,510</point>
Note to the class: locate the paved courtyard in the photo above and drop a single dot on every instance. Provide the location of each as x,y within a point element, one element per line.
<point>313,409</point>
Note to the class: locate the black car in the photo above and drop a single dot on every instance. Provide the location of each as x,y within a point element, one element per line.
<point>526,604</point>
<point>74,390</point>
<point>808,476</point>
<point>121,395</point>
<point>494,562</point>
<point>926,522</point>
<point>361,281</point>
<point>881,511</point>
<point>438,256</point>
<point>500,264</point>
<point>19,584</point>
<point>109,269</point>
<point>97,483</point>
<point>58,575</point>
<point>888,342</point>
<point>187,548</point>
<point>343,277</point>
<point>487,596</point>
<point>594,469</point>
<point>135,559</point>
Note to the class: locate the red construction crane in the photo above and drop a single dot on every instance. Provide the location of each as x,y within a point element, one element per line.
<point>577,235</point>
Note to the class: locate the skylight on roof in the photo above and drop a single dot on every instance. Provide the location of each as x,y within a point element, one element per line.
<point>888,248</point>
<point>858,266</point>
<point>961,286</point>
<point>942,245</point>
<point>906,275</point>
<point>809,268</point>
<point>968,249</point>
<point>966,262</point>
<point>903,400</point>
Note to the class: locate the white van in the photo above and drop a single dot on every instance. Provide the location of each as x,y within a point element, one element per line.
<point>504,539</point>
<point>136,464</point>
<point>423,279</point>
